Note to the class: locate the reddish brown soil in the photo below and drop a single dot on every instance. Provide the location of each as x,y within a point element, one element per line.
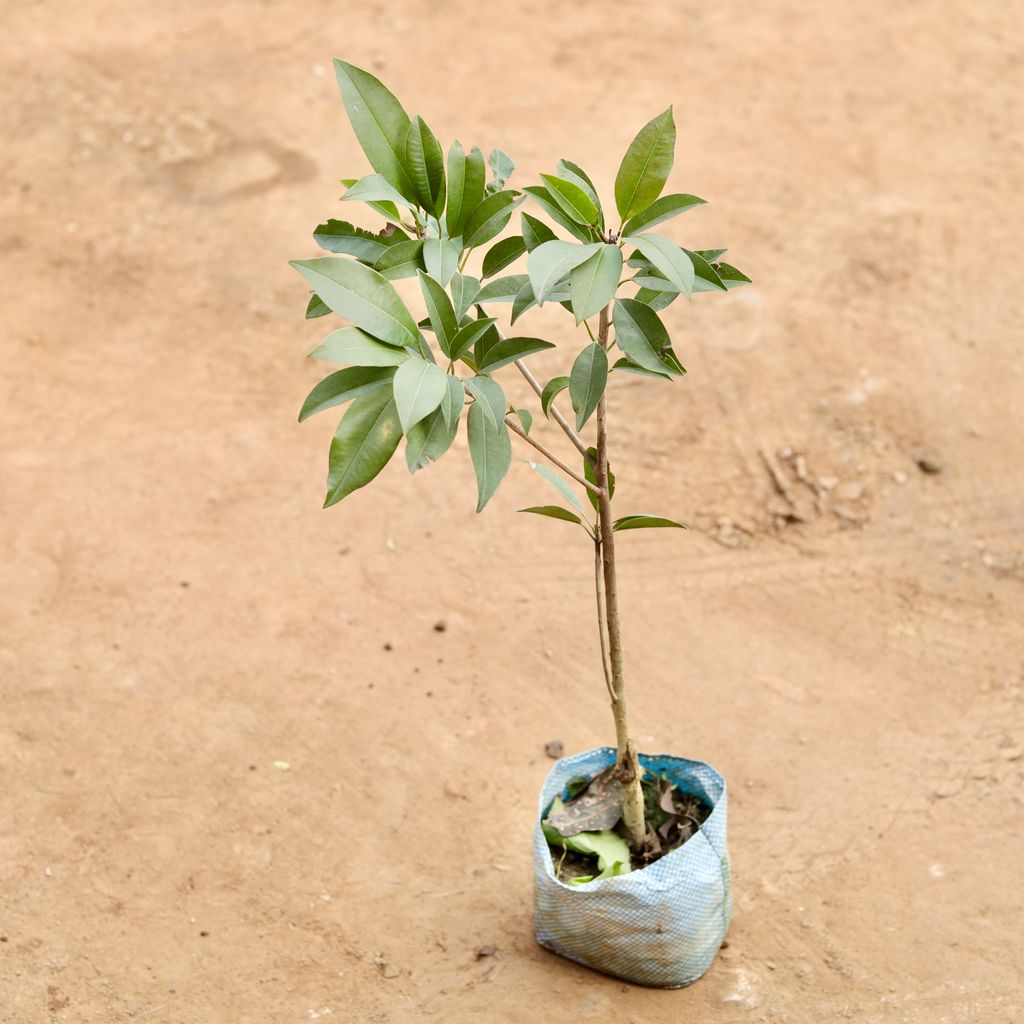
<point>177,614</point>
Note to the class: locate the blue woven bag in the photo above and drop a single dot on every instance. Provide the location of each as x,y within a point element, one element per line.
<point>661,926</point>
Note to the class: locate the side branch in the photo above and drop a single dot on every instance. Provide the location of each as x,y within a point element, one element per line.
<point>551,457</point>
<point>555,414</point>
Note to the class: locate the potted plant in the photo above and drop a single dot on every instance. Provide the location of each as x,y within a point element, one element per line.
<point>631,864</point>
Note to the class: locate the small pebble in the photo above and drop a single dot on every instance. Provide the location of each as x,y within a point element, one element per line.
<point>554,749</point>
<point>440,626</point>
<point>929,466</point>
<point>481,951</point>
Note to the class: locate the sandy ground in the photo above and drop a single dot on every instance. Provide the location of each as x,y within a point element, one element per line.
<point>840,633</point>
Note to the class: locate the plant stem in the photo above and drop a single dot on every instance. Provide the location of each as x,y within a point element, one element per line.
<point>629,771</point>
<point>555,414</point>
<point>550,456</point>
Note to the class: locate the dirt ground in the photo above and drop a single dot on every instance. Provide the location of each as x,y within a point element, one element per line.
<point>840,632</point>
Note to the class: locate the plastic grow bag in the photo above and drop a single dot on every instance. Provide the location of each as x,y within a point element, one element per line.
<point>661,926</point>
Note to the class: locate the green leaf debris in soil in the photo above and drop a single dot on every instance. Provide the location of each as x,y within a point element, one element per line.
<point>672,817</point>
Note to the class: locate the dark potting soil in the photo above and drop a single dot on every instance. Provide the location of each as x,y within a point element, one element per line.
<point>672,817</point>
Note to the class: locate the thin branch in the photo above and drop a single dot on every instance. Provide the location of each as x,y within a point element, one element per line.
<point>602,624</point>
<point>577,441</point>
<point>551,457</point>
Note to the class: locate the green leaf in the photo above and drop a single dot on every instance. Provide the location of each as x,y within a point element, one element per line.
<point>502,289</point>
<point>419,388</point>
<point>364,442</point>
<point>464,290</point>
<point>646,165</point>
<point>526,419</point>
<point>375,188</point>
<point>559,484</point>
<point>574,202</point>
<point>484,343</point>
<point>384,207</point>
<point>489,218</point>
<point>627,366</point>
<point>503,253</point>
<point>490,448</point>
<point>642,522</point>
<point>402,260</point>
<point>542,197</point>
<point>355,347</point>
<point>666,257</point>
<point>523,301</point>
<point>590,474</point>
<point>704,271</point>
<point>440,311</point>
<point>490,397</point>
<point>610,849</point>
<point>661,210</point>
<point>343,385</point>
<point>656,299</point>
<point>587,379</point>
<point>575,174</point>
<point>712,255</point>
<point>593,283</point>
<point>453,401</point>
<point>429,440</point>
<point>535,232</point>
<point>316,307</point>
<point>554,512</point>
<point>502,166</point>
<point>425,163</point>
<point>441,258</point>
<point>362,296</point>
<point>466,176</point>
<point>339,236</point>
<point>380,123</point>
<point>551,390</point>
<point>731,277</point>
<point>641,335</point>
<point>509,350</point>
<point>550,262</point>
<point>468,335</point>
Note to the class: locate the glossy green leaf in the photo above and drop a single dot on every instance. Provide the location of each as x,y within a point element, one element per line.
<point>590,474</point>
<point>526,419</point>
<point>731,277</point>
<point>484,343</point>
<point>424,162</point>
<point>704,271</point>
<point>489,218</point>
<point>441,258</point>
<point>380,123</point>
<point>661,210</point>
<point>419,388</point>
<point>429,440</point>
<point>490,448</point>
<point>375,188</point>
<point>364,442</point>
<point>610,849</point>
<point>543,198</point>
<point>524,300</point>
<point>587,380</point>
<point>572,200</point>
<point>502,289</point>
<point>712,255</point>
<point>503,254</point>
<point>339,236</point>
<point>640,334</point>
<point>646,165</point>
<point>344,385</point>
<point>490,397</point>
<point>356,348</point>
<point>667,258</point>
<point>552,389</point>
<point>464,290</point>
<point>643,522</point>
<point>558,482</point>
<point>593,284</point>
<point>453,401</point>
<point>554,512</point>
<point>550,262</point>
<point>362,296</point>
<point>510,349</point>
<point>401,261</point>
<point>535,232</point>
<point>575,174</point>
<point>627,366</point>
<point>468,335</point>
<point>316,307</point>
<point>440,311</point>
<point>384,207</point>
<point>656,299</point>
<point>466,178</point>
